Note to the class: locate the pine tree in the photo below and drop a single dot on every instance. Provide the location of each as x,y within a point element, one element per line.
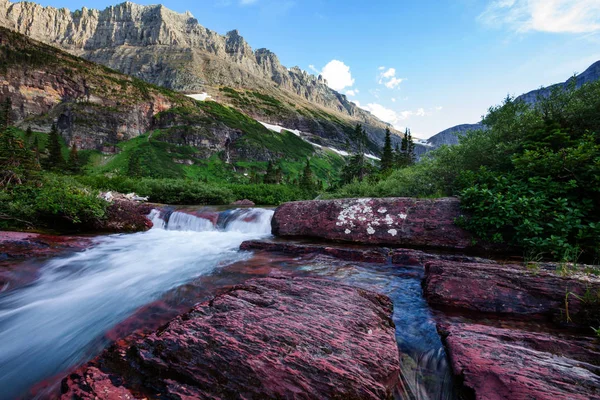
<point>74,165</point>
<point>387,157</point>
<point>28,135</point>
<point>306,180</point>
<point>134,165</point>
<point>410,149</point>
<point>270,174</point>
<point>36,148</point>
<point>16,161</point>
<point>55,159</point>
<point>5,114</point>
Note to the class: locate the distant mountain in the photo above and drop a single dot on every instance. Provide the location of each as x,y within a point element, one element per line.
<point>591,74</point>
<point>173,50</point>
<point>450,136</point>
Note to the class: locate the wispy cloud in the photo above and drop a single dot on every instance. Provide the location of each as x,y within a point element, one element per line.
<point>556,16</point>
<point>388,78</point>
<point>248,2</point>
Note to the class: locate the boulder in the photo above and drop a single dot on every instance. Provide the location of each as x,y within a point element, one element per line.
<point>20,245</point>
<point>292,338</point>
<point>511,290</point>
<point>124,216</point>
<point>495,363</point>
<point>393,221</point>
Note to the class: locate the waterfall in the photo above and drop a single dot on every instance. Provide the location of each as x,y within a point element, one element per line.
<point>255,221</point>
<point>58,319</point>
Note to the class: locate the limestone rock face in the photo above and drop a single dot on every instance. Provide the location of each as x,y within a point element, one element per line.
<point>270,338</point>
<point>173,50</point>
<point>389,221</point>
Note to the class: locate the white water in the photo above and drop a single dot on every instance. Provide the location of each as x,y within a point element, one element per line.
<point>52,324</point>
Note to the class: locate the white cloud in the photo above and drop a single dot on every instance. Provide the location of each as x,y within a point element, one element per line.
<point>381,68</point>
<point>390,73</point>
<point>394,82</point>
<point>556,16</point>
<point>393,99</point>
<point>420,112</point>
<point>352,92</point>
<point>396,118</point>
<point>389,79</point>
<point>439,108</point>
<point>247,2</point>
<point>313,69</point>
<point>337,74</point>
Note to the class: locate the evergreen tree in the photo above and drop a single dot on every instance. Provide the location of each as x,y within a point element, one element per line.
<point>36,148</point>
<point>74,165</point>
<point>387,157</point>
<point>55,159</point>
<point>410,149</point>
<point>270,177</point>
<point>16,161</point>
<point>134,165</point>
<point>279,175</point>
<point>306,179</point>
<point>28,135</point>
<point>5,114</point>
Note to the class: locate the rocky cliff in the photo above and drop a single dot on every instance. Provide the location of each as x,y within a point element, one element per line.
<point>173,50</point>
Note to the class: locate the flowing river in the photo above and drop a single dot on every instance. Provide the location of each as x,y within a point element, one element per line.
<point>78,303</point>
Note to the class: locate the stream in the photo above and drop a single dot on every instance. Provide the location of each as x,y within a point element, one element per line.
<point>128,284</point>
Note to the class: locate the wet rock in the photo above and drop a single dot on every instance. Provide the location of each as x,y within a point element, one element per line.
<point>374,255</point>
<point>125,216</point>
<point>510,290</point>
<point>417,257</point>
<point>495,363</point>
<point>243,203</point>
<point>292,338</point>
<point>20,245</point>
<point>393,221</point>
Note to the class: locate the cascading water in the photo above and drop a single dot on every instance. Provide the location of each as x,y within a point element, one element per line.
<point>60,318</point>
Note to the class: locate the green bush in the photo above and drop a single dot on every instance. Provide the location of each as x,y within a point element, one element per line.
<point>167,191</point>
<point>56,202</point>
<point>272,195</point>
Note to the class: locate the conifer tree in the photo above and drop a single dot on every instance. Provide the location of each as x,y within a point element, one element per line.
<point>387,157</point>
<point>306,180</point>
<point>74,165</point>
<point>55,159</point>
<point>5,114</point>
<point>270,174</point>
<point>28,135</point>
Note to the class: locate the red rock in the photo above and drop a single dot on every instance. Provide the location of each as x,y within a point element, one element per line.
<point>373,255</point>
<point>417,257</point>
<point>243,203</point>
<point>498,364</point>
<point>125,216</point>
<point>392,221</point>
<point>19,245</point>
<point>288,338</point>
<point>508,289</point>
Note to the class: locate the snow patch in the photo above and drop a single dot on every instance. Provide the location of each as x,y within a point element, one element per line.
<point>279,128</point>
<point>199,97</point>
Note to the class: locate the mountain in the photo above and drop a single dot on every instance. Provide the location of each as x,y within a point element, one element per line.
<point>173,50</point>
<point>450,136</point>
<point>591,74</point>
<point>116,118</point>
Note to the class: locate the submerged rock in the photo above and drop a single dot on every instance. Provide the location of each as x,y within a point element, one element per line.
<point>243,203</point>
<point>292,338</point>
<point>392,221</point>
<point>511,290</point>
<point>495,363</point>
<point>19,245</point>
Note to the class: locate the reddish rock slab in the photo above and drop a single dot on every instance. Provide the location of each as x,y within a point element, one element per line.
<point>123,216</point>
<point>417,257</point>
<point>270,338</point>
<point>20,245</point>
<point>393,221</point>
<point>504,364</point>
<point>372,255</point>
<point>510,290</point>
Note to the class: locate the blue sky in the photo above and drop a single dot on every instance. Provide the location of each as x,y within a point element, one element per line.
<point>422,64</point>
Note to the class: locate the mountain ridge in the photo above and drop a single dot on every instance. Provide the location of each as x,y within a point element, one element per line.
<point>451,135</point>
<point>173,50</point>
